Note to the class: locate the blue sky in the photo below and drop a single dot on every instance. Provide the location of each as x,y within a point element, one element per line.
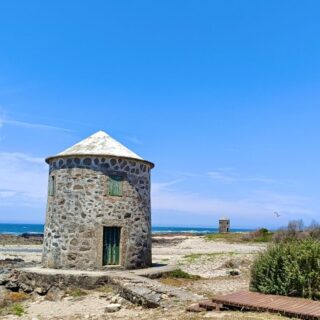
<point>222,95</point>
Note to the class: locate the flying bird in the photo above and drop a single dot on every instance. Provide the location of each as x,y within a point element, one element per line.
<point>276,214</point>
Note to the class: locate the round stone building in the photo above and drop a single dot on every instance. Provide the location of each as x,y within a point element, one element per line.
<point>98,210</point>
<point>224,225</point>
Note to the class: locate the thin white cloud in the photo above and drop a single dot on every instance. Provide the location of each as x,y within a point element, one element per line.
<point>221,176</point>
<point>133,139</point>
<point>257,206</point>
<point>263,180</point>
<point>29,125</point>
<point>23,179</point>
<point>158,186</point>
<point>227,175</point>
<point>7,193</point>
<point>22,156</point>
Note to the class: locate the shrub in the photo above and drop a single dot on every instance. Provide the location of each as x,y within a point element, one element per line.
<point>180,274</point>
<point>314,230</point>
<point>288,268</point>
<point>17,309</point>
<point>10,303</point>
<point>76,293</point>
<point>260,235</point>
<point>296,230</point>
<point>13,297</point>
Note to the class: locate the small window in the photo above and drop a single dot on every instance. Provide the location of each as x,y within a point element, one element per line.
<point>115,186</point>
<point>51,186</point>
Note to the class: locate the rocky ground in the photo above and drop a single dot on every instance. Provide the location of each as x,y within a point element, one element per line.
<point>222,267</point>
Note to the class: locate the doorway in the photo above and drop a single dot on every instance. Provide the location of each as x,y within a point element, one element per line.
<point>111,245</point>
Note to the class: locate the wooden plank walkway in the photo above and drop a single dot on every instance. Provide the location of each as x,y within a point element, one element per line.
<point>287,306</point>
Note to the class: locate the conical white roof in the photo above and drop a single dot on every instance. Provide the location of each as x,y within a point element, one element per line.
<point>99,144</point>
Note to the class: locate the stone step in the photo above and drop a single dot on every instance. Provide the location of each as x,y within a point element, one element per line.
<point>204,305</point>
<point>195,308</point>
<point>154,272</point>
<point>208,305</point>
<point>135,288</point>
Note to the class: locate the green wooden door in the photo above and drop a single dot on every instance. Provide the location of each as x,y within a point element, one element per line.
<point>111,245</point>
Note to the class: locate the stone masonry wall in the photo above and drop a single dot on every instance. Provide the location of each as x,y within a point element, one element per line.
<point>81,207</point>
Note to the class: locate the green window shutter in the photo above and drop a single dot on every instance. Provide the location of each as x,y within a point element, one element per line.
<point>115,186</point>
<point>51,186</point>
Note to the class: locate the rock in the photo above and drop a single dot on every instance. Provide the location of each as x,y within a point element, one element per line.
<point>109,296</point>
<point>26,288</point>
<point>195,308</point>
<point>113,307</point>
<point>3,280</point>
<point>116,299</point>
<point>41,291</point>
<point>234,272</point>
<point>54,294</point>
<point>232,263</point>
<point>141,295</point>
<point>12,285</point>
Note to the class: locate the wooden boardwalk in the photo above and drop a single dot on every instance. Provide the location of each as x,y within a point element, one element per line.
<point>287,306</point>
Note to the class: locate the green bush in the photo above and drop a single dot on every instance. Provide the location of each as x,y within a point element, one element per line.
<point>180,274</point>
<point>288,268</point>
<point>17,309</point>
<point>260,235</point>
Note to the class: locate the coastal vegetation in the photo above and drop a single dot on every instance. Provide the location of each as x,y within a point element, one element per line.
<point>291,265</point>
<point>294,230</point>
<point>289,268</point>
<point>180,274</point>
<point>231,237</point>
<point>16,309</point>
<point>178,278</point>
<point>11,303</point>
<point>77,293</point>
<point>259,235</point>
<point>191,258</point>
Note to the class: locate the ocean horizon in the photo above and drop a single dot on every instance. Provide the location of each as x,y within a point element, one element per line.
<point>20,228</point>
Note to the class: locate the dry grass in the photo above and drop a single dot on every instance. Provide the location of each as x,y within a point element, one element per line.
<point>176,282</point>
<point>238,237</point>
<point>232,237</point>
<point>11,303</point>
<point>77,293</point>
<point>178,278</point>
<point>105,289</point>
<point>14,297</point>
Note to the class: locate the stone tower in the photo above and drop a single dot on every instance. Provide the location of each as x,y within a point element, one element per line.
<point>98,210</point>
<point>224,225</point>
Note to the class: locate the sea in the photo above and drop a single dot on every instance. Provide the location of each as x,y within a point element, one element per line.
<point>18,229</point>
